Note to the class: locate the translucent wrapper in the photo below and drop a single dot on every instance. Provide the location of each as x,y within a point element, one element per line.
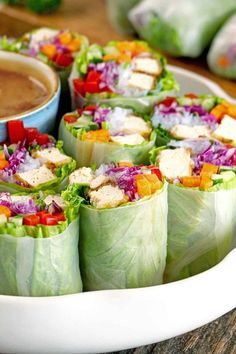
<point>58,184</point>
<point>201,227</point>
<point>40,266</point>
<point>87,153</point>
<point>222,54</point>
<point>124,247</point>
<point>182,28</point>
<point>118,14</point>
<point>166,84</point>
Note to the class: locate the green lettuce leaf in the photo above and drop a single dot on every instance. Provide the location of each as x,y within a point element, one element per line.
<point>201,228</point>
<point>124,247</point>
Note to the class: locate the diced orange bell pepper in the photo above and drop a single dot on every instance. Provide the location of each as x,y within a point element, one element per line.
<point>4,210</point>
<point>209,169</point>
<point>74,45</point>
<point>49,50</point>
<point>226,104</point>
<point>154,181</point>
<point>191,181</point>
<point>3,164</point>
<point>2,156</point>
<point>206,182</point>
<point>232,111</point>
<point>65,37</point>
<point>143,186</point>
<point>125,164</point>
<point>223,61</point>
<point>101,135</point>
<point>110,57</point>
<point>219,111</point>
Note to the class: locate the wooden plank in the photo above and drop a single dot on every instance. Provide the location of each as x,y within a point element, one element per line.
<point>90,18</point>
<point>218,337</point>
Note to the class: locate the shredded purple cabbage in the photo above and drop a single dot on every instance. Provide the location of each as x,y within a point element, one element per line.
<point>54,208</point>
<point>100,115</point>
<point>217,154</point>
<point>167,116</point>
<point>124,177</point>
<point>15,160</point>
<point>24,206</point>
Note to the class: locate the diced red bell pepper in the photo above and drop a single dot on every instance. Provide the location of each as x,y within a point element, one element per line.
<point>31,134</point>
<point>62,59</point>
<point>16,131</point>
<point>79,86</point>
<point>60,216</point>
<point>92,87</point>
<point>168,101</point>
<point>79,111</point>
<point>190,95</point>
<point>49,219</point>
<point>31,220</point>
<point>70,118</point>
<point>91,108</point>
<point>155,170</point>
<point>42,139</point>
<point>41,213</point>
<point>93,76</point>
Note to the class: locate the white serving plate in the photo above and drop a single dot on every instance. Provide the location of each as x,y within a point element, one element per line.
<point>104,321</point>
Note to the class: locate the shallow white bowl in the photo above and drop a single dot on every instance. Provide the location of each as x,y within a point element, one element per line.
<point>105,321</point>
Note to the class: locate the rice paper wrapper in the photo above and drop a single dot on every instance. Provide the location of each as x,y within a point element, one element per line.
<point>118,14</point>
<point>40,266</point>
<point>124,247</point>
<point>222,54</point>
<point>173,31</point>
<point>143,104</point>
<point>201,228</point>
<point>87,153</point>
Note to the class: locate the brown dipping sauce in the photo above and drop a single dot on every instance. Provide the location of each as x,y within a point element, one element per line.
<point>20,92</point>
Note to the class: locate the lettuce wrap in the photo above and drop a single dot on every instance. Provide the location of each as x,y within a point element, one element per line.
<point>102,134</point>
<point>34,163</point>
<point>128,74</point>
<point>181,28</point>
<point>123,226</point>
<point>39,237</point>
<point>193,117</point>
<point>202,201</point>
<point>56,48</point>
<point>221,57</point>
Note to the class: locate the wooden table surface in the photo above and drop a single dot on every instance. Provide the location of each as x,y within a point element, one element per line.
<point>89,17</point>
